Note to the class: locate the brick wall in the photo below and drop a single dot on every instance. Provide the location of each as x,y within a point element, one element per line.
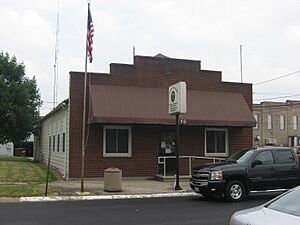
<point>147,72</point>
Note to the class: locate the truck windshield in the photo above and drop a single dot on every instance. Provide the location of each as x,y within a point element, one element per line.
<point>240,156</point>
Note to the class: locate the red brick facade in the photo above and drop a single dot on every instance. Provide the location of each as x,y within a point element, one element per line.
<point>148,72</point>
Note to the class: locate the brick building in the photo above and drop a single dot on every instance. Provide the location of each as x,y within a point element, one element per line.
<point>129,127</point>
<point>277,123</point>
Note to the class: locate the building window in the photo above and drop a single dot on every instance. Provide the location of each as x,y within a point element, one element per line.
<point>117,141</point>
<point>64,142</point>
<point>216,142</point>
<point>256,119</point>
<point>58,139</point>
<point>269,122</point>
<point>50,143</point>
<point>295,127</point>
<point>281,122</point>
<point>53,145</point>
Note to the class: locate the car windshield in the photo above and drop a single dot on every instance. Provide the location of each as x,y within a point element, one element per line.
<point>288,203</point>
<point>240,156</point>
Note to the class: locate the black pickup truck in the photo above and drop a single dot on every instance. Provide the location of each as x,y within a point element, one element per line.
<point>262,169</point>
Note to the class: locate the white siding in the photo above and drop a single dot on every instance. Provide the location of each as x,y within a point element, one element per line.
<point>55,125</point>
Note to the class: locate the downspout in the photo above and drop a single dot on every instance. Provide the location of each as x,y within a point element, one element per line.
<point>67,140</point>
<point>65,155</point>
<point>65,107</point>
<point>262,127</point>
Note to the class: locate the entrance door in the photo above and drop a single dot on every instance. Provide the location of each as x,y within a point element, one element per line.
<point>167,148</point>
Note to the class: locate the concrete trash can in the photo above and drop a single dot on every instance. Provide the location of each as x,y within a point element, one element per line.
<point>112,179</point>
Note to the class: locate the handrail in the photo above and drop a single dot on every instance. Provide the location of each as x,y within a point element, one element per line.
<point>162,160</point>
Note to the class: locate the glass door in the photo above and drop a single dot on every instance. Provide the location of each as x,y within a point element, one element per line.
<point>167,149</point>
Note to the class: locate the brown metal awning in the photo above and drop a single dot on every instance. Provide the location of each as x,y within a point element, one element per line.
<point>124,104</point>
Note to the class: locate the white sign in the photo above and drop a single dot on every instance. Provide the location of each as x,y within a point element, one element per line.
<point>177,98</point>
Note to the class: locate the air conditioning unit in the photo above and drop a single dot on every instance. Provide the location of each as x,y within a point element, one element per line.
<point>270,141</point>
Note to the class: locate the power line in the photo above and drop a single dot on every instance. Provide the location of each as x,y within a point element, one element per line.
<point>276,78</point>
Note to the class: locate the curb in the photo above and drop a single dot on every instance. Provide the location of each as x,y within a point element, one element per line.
<point>9,200</point>
<point>104,197</point>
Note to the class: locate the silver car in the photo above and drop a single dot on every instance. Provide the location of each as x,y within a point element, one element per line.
<point>284,209</point>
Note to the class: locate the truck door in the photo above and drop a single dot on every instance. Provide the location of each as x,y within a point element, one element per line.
<point>262,172</point>
<point>288,168</point>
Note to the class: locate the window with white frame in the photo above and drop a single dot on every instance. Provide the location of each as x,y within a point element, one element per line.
<point>295,127</point>
<point>256,119</point>
<point>117,141</point>
<point>281,122</point>
<point>269,120</point>
<point>216,142</point>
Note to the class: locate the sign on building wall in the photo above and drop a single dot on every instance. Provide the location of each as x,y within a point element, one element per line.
<point>177,98</point>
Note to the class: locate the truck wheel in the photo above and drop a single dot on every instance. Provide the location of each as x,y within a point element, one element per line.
<point>235,191</point>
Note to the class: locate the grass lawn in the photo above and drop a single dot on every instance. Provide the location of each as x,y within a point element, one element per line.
<point>22,177</point>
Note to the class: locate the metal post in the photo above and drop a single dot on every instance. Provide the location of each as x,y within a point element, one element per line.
<point>190,166</point>
<point>48,171</point>
<point>177,186</point>
<point>165,167</point>
<point>83,143</point>
<point>241,63</point>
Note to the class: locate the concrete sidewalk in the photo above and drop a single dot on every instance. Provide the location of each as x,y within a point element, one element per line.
<point>130,186</point>
<point>94,190</point>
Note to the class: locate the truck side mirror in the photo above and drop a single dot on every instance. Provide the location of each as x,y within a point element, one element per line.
<point>256,162</point>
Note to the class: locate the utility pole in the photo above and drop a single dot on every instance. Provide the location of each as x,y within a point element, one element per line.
<point>241,63</point>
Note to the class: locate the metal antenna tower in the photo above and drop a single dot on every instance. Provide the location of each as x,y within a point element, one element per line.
<point>55,69</point>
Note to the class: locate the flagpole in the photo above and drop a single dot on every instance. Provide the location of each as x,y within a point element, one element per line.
<point>84,115</point>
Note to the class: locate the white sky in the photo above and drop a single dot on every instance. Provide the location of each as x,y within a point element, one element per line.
<point>206,30</point>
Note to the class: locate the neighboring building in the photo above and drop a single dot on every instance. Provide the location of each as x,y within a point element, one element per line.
<point>128,124</point>
<point>7,149</point>
<point>277,123</point>
<point>53,138</point>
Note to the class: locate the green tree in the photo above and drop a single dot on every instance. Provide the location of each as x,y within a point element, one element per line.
<point>19,101</point>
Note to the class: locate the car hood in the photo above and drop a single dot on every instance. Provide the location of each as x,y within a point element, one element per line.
<point>217,166</point>
<point>262,216</point>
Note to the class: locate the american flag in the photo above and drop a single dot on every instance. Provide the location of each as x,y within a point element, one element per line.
<point>90,35</point>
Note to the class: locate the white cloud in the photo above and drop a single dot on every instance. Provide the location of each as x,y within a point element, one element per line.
<point>292,33</point>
